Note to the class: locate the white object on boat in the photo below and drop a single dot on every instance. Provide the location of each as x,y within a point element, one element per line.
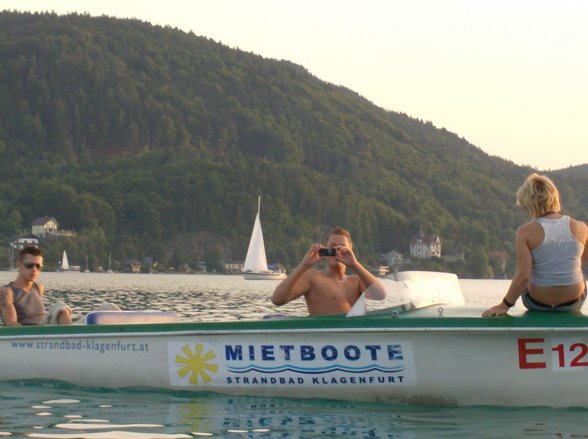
<point>415,288</point>
<point>358,308</point>
<point>424,288</point>
<point>130,317</point>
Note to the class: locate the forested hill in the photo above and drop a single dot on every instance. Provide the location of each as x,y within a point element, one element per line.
<point>149,141</point>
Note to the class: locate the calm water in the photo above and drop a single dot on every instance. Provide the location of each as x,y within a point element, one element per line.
<point>57,410</point>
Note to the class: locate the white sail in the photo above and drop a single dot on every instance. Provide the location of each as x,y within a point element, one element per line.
<point>64,262</point>
<point>255,266</point>
<point>256,260</point>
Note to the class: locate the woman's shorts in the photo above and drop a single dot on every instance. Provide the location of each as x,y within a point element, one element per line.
<point>534,305</point>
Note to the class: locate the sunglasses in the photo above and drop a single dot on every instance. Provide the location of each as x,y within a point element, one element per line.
<point>29,265</point>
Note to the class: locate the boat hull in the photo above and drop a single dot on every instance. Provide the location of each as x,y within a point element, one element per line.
<point>390,357</point>
<point>264,276</point>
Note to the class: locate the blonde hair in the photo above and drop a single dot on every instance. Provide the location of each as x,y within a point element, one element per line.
<point>538,196</point>
<point>340,231</point>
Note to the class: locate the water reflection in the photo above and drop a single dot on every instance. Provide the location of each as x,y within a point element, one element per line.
<point>82,413</point>
<point>58,410</point>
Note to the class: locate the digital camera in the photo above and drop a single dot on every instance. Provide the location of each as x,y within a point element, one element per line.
<point>327,252</point>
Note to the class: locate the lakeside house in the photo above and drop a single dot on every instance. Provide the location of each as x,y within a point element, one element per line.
<point>44,226</point>
<point>234,267</point>
<point>131,265</point>
<point>392,258</point>
<point>455,255</point>
<point>425,246</point>
<point>21,241</point>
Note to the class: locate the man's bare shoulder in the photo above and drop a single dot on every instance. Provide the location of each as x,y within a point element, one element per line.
<point>312,273</point>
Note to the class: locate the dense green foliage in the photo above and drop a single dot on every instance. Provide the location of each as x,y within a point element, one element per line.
<point>149,141</point>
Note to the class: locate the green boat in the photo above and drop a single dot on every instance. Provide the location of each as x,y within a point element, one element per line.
<point>423,351</point>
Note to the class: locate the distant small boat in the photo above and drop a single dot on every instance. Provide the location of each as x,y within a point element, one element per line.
<point>65,264</point>
<point>109,270</point>
<point>255,266</point>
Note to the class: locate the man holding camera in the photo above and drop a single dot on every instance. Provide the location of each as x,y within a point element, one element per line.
<point>329,291</point>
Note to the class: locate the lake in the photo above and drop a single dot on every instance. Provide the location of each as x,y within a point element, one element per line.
<point>44,409</point>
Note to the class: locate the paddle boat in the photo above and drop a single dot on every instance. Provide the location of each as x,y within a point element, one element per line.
<point>429,349</point>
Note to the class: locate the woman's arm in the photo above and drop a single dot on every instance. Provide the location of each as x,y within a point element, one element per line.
<point>521,277</point>
<point>585,241</point>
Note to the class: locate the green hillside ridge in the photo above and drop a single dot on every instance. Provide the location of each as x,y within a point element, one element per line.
<point>149,141</point>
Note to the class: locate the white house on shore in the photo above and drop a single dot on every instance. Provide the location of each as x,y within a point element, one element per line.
<point>44,226</point>
<point>19,242</point>
<point>425,246</point>
<point>392,258</point>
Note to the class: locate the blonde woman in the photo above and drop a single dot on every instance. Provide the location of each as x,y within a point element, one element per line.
<point>550,249</point>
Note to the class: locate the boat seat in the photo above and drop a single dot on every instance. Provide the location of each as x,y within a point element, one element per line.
<point>130,317</point>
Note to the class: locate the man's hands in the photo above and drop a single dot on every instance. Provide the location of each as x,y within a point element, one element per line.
<point>312,257</point>
<point>344,255</point>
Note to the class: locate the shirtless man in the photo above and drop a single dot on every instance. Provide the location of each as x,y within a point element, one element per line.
<point>21,301</point>
<point>329,291</point>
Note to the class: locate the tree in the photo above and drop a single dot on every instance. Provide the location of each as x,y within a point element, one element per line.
<point>479,266</point>
<point>213,259</point>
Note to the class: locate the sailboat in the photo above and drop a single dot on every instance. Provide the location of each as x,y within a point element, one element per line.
<point>65,264</point>
<point>109,263</point>
<point>255,266</point>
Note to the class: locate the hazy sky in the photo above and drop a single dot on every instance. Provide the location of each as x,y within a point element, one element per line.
<point>510,76</point>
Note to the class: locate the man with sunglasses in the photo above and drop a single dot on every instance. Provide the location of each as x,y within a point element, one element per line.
<point>21,301</point>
